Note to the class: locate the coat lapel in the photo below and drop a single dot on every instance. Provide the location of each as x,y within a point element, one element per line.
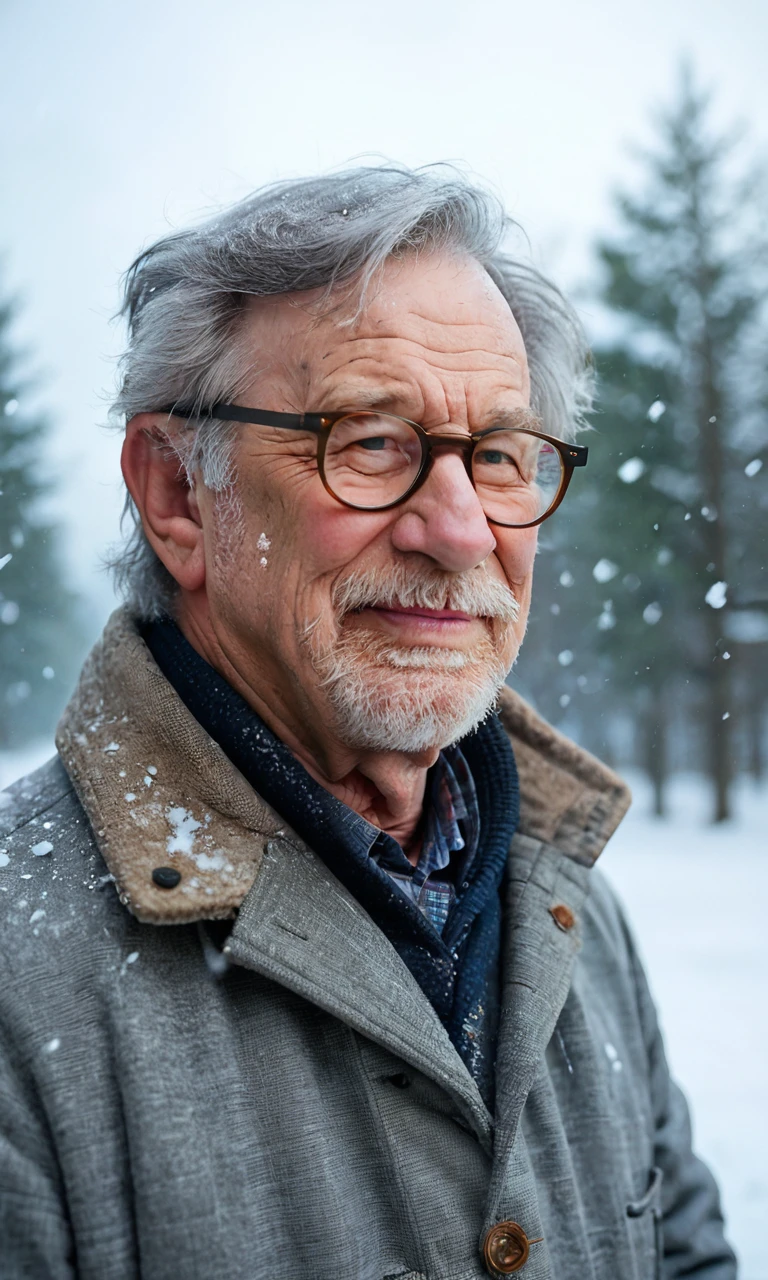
<point>546,891</point>
<point>300,927</point>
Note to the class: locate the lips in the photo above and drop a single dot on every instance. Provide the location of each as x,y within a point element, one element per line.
<point>419,611</point>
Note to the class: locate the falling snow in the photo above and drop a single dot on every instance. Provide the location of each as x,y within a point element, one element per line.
<point>715,597</point>
<point>604,570</point>
<point>656,410</point>
<point>631,470</point>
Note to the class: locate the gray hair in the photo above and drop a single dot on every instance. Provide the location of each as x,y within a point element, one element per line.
<point>184,299</point>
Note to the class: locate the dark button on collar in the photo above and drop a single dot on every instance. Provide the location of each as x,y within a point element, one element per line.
<point>505,1249</point>
<point>166,877</point>
<point>400,1080</point>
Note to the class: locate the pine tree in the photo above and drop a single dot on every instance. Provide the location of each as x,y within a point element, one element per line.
<point>683,409</point>
<point>40,638</point>
<point>651,579</point>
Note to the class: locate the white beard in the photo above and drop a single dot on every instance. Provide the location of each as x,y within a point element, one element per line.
<point>390,697</point>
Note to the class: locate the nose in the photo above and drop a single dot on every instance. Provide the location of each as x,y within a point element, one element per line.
<point>444,520</point>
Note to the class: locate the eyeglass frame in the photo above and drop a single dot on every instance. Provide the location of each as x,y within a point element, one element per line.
<point>320,424</point>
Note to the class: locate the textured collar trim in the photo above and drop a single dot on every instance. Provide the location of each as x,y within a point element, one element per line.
<point>159,792</point>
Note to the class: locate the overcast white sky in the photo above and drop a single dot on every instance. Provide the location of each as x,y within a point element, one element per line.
<point>124,118</point>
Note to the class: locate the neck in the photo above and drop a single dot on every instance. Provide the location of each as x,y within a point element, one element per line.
<point>385,787</point>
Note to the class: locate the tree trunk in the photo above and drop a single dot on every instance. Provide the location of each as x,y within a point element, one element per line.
<point>755,738</point>
<point>718,726</point>
<point>715,534</point>
<point>655,749</point>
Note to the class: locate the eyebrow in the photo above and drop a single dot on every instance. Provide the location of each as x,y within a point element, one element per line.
<point>366,398</point>
<point>387,398</point>
<point>521,417</point>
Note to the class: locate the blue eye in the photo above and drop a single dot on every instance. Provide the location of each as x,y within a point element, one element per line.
<point>373,442</point>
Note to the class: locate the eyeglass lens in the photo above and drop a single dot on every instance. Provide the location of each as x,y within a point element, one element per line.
<point>371,460</point>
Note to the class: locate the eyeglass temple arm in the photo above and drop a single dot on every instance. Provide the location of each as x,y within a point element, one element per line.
<point>260,417</point>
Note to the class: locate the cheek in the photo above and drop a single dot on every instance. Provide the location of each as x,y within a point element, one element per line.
<point>516,551</point>
<point>324,537</point>
<point>285,549</point>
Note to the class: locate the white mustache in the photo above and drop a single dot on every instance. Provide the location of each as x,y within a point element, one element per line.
<point>474,592</point>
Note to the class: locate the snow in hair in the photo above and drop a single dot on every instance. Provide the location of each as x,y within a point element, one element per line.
<point>185,296</point>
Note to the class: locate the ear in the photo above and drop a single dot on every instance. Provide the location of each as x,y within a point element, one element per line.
<point>165,500</point>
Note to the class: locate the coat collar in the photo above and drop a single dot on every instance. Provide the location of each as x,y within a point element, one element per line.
<point>158,791</point>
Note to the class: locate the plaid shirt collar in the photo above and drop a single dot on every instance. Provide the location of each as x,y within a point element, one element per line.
<point>451,827</point>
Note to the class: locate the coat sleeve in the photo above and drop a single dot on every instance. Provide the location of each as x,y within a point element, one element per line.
<point>35,1240</point>
<point>692,1220</point>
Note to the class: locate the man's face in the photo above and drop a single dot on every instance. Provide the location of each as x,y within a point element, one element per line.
<point>388,630</point>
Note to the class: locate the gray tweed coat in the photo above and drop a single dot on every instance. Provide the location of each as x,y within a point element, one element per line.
<point>292,1108</point>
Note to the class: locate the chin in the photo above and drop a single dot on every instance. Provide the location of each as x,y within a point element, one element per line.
<point>409,706</point>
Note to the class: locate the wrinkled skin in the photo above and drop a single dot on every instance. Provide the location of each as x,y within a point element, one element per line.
<point>436,343</point>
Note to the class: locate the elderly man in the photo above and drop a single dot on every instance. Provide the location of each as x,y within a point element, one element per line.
<point>309,973</point>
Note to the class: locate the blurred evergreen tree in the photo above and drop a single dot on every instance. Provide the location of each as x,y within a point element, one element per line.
<point>661,552</point>
<point>40,637</point>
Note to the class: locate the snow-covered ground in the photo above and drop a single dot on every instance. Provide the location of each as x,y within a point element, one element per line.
<point>698,899</point>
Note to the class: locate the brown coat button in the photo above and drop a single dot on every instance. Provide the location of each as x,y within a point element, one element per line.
<point>505,1249</point>
<point>563,917</point>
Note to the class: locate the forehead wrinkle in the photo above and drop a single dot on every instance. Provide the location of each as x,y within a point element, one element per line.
<point>425,391</point>
<point>468,360</point>
<point>506,344</point>
<point>501,331</point>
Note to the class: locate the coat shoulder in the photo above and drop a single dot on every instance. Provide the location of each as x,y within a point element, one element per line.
<point>609,949</point>
<point>50,867</point>
<point>31,796</point>
<point>604,914</point>
<point>608,961</point>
